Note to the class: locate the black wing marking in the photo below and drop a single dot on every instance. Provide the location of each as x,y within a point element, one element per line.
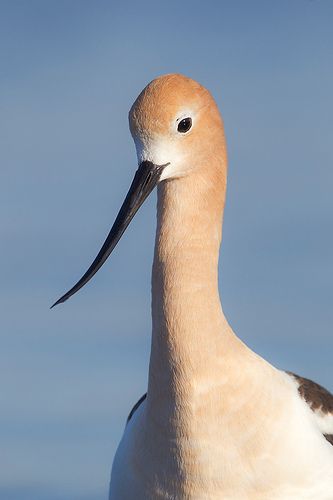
<point>135,407</point>
<point>318,398</point>
<point>329,438</point>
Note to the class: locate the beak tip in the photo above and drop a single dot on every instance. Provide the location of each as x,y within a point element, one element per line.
<point>56,303</point>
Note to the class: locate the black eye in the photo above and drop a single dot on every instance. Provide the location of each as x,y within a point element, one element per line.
<point>184,125</point>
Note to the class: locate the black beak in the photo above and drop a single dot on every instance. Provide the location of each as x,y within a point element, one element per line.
<point>145,179</point>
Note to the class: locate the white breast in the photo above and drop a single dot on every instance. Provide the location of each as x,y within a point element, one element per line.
<point>295,462</point>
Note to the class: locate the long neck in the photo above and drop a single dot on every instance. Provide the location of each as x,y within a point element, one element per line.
<point>189,328</point>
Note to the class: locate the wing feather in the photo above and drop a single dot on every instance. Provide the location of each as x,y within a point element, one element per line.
<point>320,400</point>
<point>135,407</point>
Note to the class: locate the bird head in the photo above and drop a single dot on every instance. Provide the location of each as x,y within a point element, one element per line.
<point>178,131</point>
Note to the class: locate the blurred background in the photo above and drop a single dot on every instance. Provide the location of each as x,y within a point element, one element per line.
<point>69,73</point>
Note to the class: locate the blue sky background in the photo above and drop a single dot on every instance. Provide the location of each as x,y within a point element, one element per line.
<point>69,73</point>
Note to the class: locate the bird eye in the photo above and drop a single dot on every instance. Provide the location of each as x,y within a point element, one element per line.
<point>184,125</point>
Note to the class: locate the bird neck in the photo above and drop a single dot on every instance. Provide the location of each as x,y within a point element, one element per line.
<point>189,328</point>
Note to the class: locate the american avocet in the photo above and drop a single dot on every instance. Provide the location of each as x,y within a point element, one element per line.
<point>218,421</point>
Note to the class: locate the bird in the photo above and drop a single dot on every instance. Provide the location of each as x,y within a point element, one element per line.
<point>217,421</point>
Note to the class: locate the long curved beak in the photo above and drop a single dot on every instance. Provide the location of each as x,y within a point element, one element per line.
<point>145,179</point>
